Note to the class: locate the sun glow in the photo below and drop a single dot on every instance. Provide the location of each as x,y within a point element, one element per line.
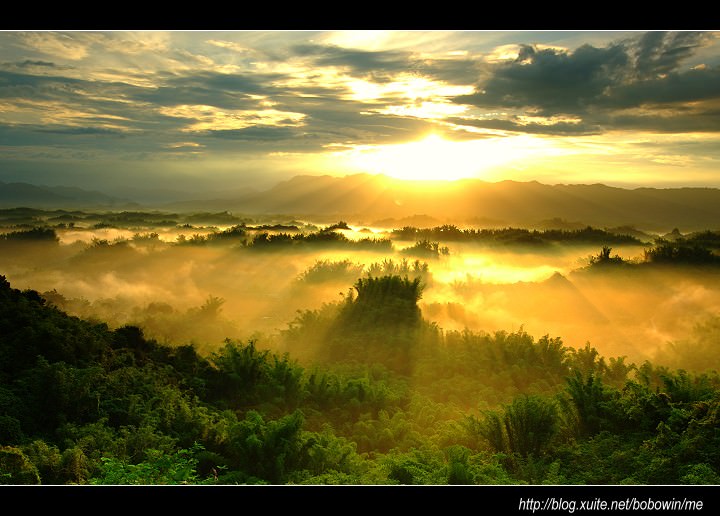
<point>437,159</point>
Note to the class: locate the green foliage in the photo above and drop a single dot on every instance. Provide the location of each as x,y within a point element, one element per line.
<point>47,459</point>
<point>36,234</point>
<point>16,468</point>
<point>235,234</point>
<point>382,302</point>
<point>268,450</point>
<point>400,401</point>
<point>402,268</point>
<point>700,474</point>
<point>426,249</point>
<point>682,252</point>
<point>326,453</point>
<point>158,468</point>
<point>603,258</point>
<point>75,466</point>
<point>421,466</point>
<point>30,329</point>
<point>327,238</point>
<point>327,270</point>
<point>137,218</point>
<point>589,397</point>
<point>379,322</point>
<point>527,426</point>
<point>515,236</point>
<point>246,377</point>
<point>459,470</point>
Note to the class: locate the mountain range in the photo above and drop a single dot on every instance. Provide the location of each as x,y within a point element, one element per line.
<point>372,199</point>
<point>14,195</point>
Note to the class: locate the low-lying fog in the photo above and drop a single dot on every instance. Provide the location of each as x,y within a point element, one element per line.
<point>205,293</point>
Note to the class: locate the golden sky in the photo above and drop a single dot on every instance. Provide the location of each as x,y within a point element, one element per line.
<point>216,111</point>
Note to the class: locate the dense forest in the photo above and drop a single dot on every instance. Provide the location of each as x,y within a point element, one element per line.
<point>368,392</point>
<point>366,389</point>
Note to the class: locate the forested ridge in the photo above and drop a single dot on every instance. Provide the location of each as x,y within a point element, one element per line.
<point>364,391</point>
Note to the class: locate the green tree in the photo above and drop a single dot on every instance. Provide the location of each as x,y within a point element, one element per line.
<point>158,468</point>
<point>16,467</point>
<point>527,426</point>
<point>267,450</point>
<point>588,397</point>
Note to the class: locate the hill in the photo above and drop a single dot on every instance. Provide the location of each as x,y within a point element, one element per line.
<point>35,196</point>
<point>381,201</point>
<point>368,199</point>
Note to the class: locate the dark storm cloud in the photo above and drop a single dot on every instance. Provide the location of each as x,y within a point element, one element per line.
<point>550,81</point>
<point>662,52</point>
<point>593,83</point>
<point>690,86</point>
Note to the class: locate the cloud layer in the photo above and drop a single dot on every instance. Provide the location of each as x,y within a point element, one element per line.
<point>168,97</point>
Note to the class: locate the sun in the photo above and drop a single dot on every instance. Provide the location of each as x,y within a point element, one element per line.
<point>430,159</point>
<point>435,158</point>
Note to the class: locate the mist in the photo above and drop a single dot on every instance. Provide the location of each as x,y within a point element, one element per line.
<point>183,280</point>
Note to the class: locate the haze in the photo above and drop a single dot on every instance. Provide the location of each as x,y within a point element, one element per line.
<point>181,115</point>
<point>360,257</point>
<point>185,283</point>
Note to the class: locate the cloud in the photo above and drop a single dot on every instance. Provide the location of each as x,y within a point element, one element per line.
<point>549,81</point>
<point>598,84</point>
<point>83,131</point>
<point>57,44</point>
<point>28,63</point>
<point>231,45</point>
<point>530,125</point>
<point>695,85</point>
<point>224,91</point>
<point>358,61</point>
<point>691,122</point>
<point>208,118</point>
<point>256,83</point>
<point>662,52</point>
<point>135,43</point>
<point>14,84</point>
<point>256,133</point>
<point>382,66</point>
<point>242,94</point>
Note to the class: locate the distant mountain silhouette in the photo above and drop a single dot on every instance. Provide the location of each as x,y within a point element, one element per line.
<point>183,200</point>
<point>378,200</point>
<point>32,196</point>
<point>369,198</point>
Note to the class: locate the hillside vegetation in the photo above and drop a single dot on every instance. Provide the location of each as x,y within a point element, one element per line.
<point>385,397</point>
